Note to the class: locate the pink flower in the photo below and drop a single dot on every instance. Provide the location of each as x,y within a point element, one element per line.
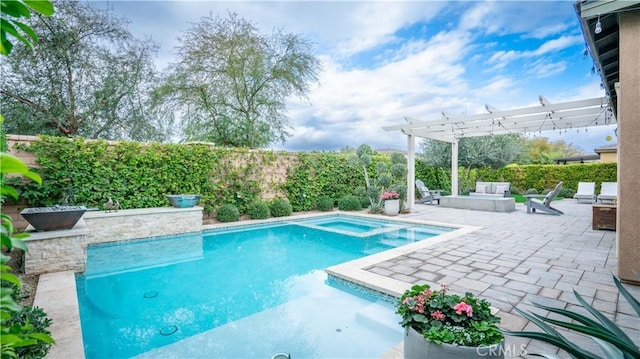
<point>463,307</point>
<point>438,315</point>
<point>389,195</point>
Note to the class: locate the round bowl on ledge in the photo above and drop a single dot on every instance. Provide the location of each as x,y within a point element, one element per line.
<point>54,217</point>
<point>183,200</point>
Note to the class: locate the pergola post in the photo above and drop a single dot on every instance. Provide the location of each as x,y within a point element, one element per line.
<point>454,167</point>
<point>411,171</point>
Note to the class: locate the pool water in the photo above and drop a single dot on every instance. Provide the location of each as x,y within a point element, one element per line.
<point>244,292</point>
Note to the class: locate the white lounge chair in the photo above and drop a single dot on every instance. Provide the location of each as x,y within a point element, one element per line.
<point>608,192</point>
<point>427,195</point>
<point>586,192</point>
<point>534,204</point>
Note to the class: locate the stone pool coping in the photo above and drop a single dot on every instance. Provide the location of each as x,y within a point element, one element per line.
<point>56,292</point>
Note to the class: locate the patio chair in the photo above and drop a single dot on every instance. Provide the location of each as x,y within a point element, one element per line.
<point>544,205</point>
<point>427,195</point>
<point>608,192</point>
<point>586,192</point>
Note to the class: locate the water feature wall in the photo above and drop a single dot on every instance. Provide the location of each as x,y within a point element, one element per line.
<point>62,250</point>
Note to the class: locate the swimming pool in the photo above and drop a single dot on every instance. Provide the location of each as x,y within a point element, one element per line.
<point>248,291</point>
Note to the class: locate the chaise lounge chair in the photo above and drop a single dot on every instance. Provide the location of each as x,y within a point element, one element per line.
<point>544,205</point>
<point>586,192</point>
<point>427,195</point>
<point>608,192</point>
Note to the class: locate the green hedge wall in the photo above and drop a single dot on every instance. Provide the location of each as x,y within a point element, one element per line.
<point>140,175</point>
<point>543,177</point>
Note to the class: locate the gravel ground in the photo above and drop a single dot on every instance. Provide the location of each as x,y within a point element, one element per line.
<point>29,281</point>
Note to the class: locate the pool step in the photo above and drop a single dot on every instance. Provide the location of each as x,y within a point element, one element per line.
<point>378,317</point>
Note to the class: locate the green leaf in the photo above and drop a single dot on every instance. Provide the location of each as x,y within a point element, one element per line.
<point>43,337</point>
<point>15,9</point>
<point>625,293</point>
<point>8,191</point>
<point>604,320</point>
<point>8,27</point>
<point>27,30</point>
<point>44,7</point>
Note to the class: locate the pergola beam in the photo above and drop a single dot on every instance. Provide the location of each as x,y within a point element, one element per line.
<point>548,116</point>
<point>598,102</point>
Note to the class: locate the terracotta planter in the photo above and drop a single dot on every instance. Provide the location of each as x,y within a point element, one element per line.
<point>417,347</point>
<point>392,207</point>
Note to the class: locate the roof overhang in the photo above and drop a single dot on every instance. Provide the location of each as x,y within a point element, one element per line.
<point>604,46</point>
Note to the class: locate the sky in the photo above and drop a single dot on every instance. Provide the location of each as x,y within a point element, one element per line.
<point>386,60</point>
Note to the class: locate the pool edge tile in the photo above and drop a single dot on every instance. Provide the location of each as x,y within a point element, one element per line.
<point>60,287</point>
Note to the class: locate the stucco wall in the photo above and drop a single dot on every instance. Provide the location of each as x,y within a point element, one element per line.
<point>628,219</point>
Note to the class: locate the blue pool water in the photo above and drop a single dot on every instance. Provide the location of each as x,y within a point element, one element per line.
<point>244,292</point>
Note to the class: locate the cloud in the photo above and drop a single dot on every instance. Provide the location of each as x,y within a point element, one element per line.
<point>501,59</point>
<point>387,60</point>
<point>541,69</point>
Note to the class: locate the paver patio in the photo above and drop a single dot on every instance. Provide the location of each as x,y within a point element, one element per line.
<point>517,258</point>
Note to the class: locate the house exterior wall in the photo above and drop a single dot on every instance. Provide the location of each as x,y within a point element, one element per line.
<point>628,220</point>
<point>606,157</point>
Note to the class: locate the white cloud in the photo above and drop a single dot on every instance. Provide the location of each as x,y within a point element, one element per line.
<point>447,61</point>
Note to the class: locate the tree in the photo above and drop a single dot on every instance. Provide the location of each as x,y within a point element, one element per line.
<point>473,152</point>
<point>540,151</point>
<point>87,76</point>
<point>231,83</point>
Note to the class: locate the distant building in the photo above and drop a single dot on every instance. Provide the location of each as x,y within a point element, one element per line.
<point>608,153</point>
<point>604,154</point>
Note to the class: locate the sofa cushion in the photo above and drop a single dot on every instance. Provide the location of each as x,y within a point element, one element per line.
<point>481,188</point>
<point>501,189</point>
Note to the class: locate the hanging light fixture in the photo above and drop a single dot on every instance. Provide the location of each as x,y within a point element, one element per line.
<point>598,28</point>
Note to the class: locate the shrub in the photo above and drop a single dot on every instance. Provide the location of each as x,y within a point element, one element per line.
<point>365,202</point>
<point>531,191</point>
<point>280,207</point>
<point>566,193</point>
<point>349,203</point>
<point>258,210</point>
<point>228,213</point>
<point>33,320</point>
<point>325,204</point>
<point>375,208</point>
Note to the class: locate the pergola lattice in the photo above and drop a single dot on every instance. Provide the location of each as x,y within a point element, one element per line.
<point>564,116</point>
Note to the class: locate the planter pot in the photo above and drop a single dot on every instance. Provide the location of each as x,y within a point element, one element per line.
<point>416,346</point>
<point>183,200</point>
<point>53,218</point>
<point>392,207</point>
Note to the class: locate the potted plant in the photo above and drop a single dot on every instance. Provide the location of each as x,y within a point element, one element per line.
<point>442,325</point>
<point>391,201</point>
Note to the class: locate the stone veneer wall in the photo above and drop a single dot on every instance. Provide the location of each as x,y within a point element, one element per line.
<point>66,249</point>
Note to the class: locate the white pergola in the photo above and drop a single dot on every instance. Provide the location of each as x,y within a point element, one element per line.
<point>563,116</point>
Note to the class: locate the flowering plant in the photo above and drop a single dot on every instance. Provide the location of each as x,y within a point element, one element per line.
<point>389,195</point>
<point>448,318</point>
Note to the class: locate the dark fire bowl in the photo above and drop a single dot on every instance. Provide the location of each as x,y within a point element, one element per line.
<point>52,218</point>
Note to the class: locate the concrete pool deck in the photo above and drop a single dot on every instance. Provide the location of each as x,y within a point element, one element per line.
<point>517,258</point>
<point>510,259</point>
